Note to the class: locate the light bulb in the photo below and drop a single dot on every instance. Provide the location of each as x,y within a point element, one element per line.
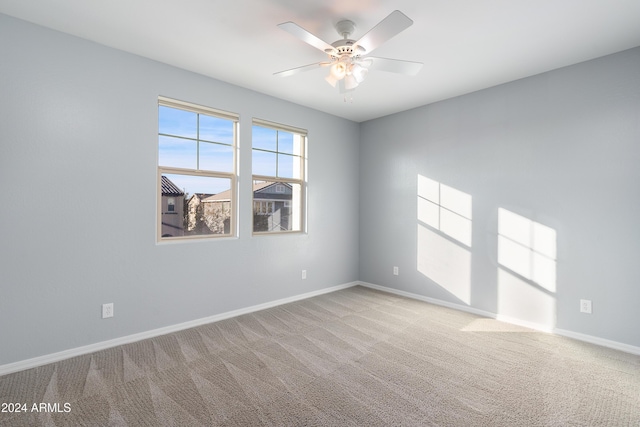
<point>331,80</point>
<point>350,82</point>
<point>338,70</point>
<point>359,73</point>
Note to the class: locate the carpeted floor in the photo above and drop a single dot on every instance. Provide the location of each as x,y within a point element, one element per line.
<point>355,357</point>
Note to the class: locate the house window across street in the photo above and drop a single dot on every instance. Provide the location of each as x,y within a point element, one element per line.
<point>278,159</point>
<point>196,171</point>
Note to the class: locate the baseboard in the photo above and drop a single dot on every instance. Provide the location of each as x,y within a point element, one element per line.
<point>429,300</point>
<point>543,328</point>
<point>598,341</point>
<point>92,348</point>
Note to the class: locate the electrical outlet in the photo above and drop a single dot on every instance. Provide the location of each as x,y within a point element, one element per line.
<point>304,274</point>
<point>585,306</point>
<point>395,271</point>
<point>107,310</point>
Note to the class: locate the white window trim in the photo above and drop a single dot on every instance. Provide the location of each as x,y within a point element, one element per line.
<point>232,176</point>
<point>302,181</point>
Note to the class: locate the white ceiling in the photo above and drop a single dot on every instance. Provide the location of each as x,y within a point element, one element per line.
<point>465,45</point>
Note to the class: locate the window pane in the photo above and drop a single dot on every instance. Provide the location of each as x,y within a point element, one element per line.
<point>177,152</point>
<point>285,142</point>
<point>216,130</point>
<point>216,157</point>
<point>275,210</point>
<point>264,163</point>
<point>202,205</point>
<point>288,166</point>
<point>173,121</point>
<point>264,138</point>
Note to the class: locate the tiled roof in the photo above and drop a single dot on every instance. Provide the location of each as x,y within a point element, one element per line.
<point>226,195</point>
<point>169,188</point>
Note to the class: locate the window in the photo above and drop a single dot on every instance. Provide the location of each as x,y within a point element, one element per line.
<point>278,156</point>
<point>261,207</point>
<point>196,170</point>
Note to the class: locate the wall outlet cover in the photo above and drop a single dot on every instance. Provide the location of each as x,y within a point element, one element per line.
<point>585,306</point>
<point>107,310</point>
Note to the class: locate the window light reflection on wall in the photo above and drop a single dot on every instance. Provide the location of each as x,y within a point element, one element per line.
<point>445,208</point>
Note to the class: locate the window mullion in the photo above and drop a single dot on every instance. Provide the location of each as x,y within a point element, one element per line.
<point>277,151</point>
<point>198,141</point>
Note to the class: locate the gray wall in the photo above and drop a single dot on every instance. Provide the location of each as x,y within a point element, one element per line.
<point>78,143</point>
<point>78,140</point>
<point>561,149</point>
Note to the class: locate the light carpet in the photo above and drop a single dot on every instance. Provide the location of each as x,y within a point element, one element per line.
<point>355,357</point>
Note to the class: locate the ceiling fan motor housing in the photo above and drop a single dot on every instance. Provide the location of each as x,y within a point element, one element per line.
<point>344,47</point>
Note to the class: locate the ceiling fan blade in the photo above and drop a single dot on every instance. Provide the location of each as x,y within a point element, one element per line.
<point>292,71</point>
<point>306,36</point>
<point>390,26</point>
<point>408,68</point>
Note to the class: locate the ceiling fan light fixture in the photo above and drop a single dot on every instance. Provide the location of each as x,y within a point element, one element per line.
<point>359,73</point>
<point>338,70</point>
<point>350,82</point>
<point>331,80</point>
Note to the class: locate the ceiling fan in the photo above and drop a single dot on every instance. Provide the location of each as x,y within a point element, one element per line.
<point>348,59</point>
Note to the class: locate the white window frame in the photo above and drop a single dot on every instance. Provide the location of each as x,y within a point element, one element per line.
<point>232,176</point>
<point>300,218</point>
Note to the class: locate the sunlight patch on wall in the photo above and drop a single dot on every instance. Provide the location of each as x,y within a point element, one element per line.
<point>445,262</point>
<point>527,248</point>
<point>518,300</point>
<point>445,209</point>
<point>527,276</point>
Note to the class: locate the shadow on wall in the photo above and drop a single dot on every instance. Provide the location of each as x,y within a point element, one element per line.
<point>526,286</point>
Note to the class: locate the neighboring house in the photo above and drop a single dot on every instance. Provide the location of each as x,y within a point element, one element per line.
<point>209,213</point>
<point>272,206</point>
<point>172,209</point>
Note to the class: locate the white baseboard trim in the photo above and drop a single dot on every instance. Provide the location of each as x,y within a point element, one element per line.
<point>543,328</point>
<point>428,299</point>
<point>598,341</point>
<point>92,348</point>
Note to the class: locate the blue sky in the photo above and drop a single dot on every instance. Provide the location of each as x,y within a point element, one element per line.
<point>179,147</point>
